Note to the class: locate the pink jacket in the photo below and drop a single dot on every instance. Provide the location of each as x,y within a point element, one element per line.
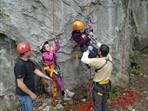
<point>47,56</point>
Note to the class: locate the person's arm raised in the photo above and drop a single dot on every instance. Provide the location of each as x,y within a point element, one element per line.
<point>85,58</point>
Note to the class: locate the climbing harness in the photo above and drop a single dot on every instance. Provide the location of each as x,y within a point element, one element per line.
<point>90,85</point>
<point>96,70</point>
<point>51,70</point>
<point>100,91</point>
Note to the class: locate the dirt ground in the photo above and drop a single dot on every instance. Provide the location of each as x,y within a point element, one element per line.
<point>140,84</point>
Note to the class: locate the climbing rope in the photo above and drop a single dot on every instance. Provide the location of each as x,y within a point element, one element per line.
<point>53,17</point>
<point>54,37</point>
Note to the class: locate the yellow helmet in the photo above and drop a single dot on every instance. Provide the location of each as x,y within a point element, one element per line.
<point>78,25</point>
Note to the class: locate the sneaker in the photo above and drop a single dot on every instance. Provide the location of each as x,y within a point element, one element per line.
<point>69,93</point>
<point>66,97</point>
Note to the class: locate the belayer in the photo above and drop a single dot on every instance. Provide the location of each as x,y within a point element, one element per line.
<point>24,71</point>
<point>101,81</point>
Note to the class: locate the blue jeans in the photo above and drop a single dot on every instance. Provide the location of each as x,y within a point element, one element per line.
<point>26,103</point>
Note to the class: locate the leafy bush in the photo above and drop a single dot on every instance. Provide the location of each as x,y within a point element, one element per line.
<point>135,70</point>
<point>115,91</point>
<point>135,61</point>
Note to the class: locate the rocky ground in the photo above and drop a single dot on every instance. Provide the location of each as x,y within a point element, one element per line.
<point>138,86</point>
<point>138,90</point>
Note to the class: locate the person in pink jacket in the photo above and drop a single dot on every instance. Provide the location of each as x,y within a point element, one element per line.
<point>50,60</point>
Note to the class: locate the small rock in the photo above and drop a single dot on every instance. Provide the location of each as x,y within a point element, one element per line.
<point>44,104</point>
<point>83,100</point>
<point>65,103</point>
<point>38,109</point>
<point>57,101</point>
<point>70,102</point>
<point>145,76</point>
<point>145,92</point>
<point>130,108</point>
<point>47,108</point>
<point>47,101</point>
<point>59,107</point>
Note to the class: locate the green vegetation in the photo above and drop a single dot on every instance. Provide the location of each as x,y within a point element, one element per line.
<point>135,70</point>
<point>115,91</point>
<point>135,62</point>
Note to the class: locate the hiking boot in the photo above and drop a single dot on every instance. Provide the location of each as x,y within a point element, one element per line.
<point>69,93</point>
<point>66,97</point>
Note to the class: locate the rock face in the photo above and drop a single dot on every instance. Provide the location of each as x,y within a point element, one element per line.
<point>139,16</point>
<point>117,23</point>
<point>7,83</point>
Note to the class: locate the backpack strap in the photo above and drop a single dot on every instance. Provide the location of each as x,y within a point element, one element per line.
<point>107,59</point>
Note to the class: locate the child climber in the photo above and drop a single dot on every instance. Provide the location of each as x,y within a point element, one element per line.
<point>84,37</point>
<point>50,61</point>
<point>81,39</point>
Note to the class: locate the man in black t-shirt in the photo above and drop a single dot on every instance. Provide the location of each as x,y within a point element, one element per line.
<point>24,71</point>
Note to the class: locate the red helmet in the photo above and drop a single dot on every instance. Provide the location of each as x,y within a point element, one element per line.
<point>23,47</point>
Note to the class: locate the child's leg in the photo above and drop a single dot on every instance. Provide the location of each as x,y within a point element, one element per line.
<point>59,82</point>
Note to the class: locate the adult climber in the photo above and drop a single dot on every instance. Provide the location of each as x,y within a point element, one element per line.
<point>101,83</point>
<point>24,71</point>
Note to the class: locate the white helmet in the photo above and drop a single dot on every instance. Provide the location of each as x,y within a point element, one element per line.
<point>42,46</point>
